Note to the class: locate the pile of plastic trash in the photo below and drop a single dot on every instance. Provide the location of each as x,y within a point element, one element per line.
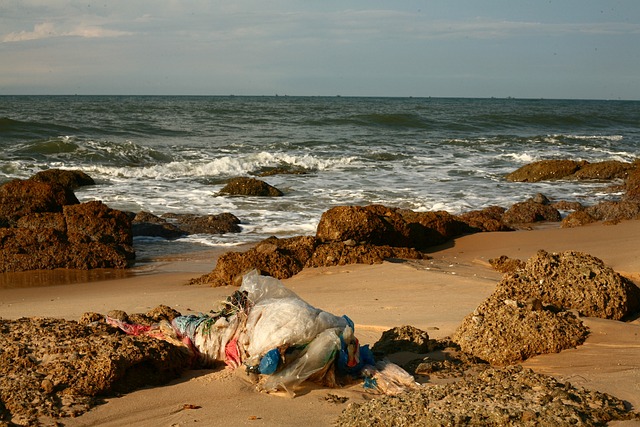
<point>280,339</point>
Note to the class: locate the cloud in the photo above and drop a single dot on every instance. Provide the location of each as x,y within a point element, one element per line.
<point>48,30</point>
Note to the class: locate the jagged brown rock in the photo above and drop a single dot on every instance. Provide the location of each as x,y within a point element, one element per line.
<point>504,331</point>
<point>577,219</point>
<point>340,253</point>
<point>147,224</point>
<point>279,258</point>
<point>402,338</point>
<point>572,280</point>
<point>54,368</point>
<point>511,396</point>
<point>604,171</point>
<point>84,236</point>
<point>525,314</point>
<point>607,211</point>
<point>44,226</point>
<point>283,258</point>
<point>529,211</point>
<point>381,225</point>
<point>245,186</point>
<point>207,224</point>
<point>70,179</point>
<point>545,170</point>
<point>487,219</point>
<point>632,184</point>
<point>22,197</point>
<point>504,264</point>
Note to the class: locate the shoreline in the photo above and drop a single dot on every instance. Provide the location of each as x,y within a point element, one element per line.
<point>433,295</point>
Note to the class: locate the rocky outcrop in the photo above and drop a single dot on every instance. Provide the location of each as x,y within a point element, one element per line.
<point>573,281</point>
<point>511,396</point>
<point>173,226</point>
<point>632,184</point>
<point>284,258</point>
<point>403,338</point>
<point>572,169</point>
<point>279,258</point>
<point>84,236</point>
<point>205,224</point>
<point>45,227</point>
<point>70,179</point>
<point>381,225</point>
<point>488,219</point>
<point>545,170</point>
<point>21,197</point>
<point>148,224</point>
<point>42,381</point>
<point>604,171</point>
<point>607,211</point>
<point>504,331</point>
<point>244,186</point>
<point>341,253</point>
<point>530,211</point>
<point>527,313</point>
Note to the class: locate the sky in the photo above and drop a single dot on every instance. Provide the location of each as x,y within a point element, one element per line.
<point>574,49</point>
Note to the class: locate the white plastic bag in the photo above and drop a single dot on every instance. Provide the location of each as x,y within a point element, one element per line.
<point>280,318</point>
<point>318,355</point>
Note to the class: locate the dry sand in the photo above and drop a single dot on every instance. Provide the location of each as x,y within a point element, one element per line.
<point>433,295</point>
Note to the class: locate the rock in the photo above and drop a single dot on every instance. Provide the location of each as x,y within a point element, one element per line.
<point>487,219</point>
<point>577,219</point>
<point>540,198</point>
<point>564,205</point>
<point>524,316</point>
<point>206,224</point>
<point>545,170</point>
<point>529,212</point>
<point>504,264</point>
<point>607,211</point>
<point>573,280</point>
<point>147,224</point>
<point>615,211</point>
<point>504,331</point>
<point>249,187</point>
<point>288,170</point>
<point>632,184</point>
<point>511,396</point>
<point>374,224</point>
<point>403,338</point>
<point>344,253</point>
<point>96,222</point>
<point>279,258</point>
<point>284,258</point>
<point>54,368</point>
<point>83,236</point>
<point>432,228</point>
<point>42,221</point>
<point>70,179</point>
<point>604,171</point>
<point>383,226</point>
<point>22,197</point>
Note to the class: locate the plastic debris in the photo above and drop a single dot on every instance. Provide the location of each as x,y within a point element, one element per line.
<point>272,332</point>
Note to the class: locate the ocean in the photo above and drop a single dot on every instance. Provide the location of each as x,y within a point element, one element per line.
<point>174,153</point>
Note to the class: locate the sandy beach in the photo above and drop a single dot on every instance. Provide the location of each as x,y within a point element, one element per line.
<point>433,295</point>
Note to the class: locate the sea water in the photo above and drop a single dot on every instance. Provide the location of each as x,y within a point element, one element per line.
<point>173,154</point>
